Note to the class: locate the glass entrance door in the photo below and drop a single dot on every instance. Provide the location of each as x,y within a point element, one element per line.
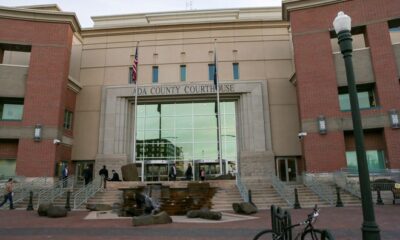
<point>286,169</point>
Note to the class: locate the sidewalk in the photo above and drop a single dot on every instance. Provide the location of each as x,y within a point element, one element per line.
<point>344,223</point>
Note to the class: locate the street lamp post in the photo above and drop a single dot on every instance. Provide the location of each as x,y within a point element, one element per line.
<point>370,229</point>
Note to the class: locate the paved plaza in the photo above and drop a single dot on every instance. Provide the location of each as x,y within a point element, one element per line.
<point>344,223</point>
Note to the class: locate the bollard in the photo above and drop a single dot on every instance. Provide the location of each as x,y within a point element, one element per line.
<point>379,198</point>
<point>67,205</point>
<point>339,202</point>
<point>30,204</point>
<point>296,200</point>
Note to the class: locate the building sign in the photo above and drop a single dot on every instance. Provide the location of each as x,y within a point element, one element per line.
<point>183,89</point>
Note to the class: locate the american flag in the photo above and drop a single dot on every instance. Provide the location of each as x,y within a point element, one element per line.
<point>134,67</point>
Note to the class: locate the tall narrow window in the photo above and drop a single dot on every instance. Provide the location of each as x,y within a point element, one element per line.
<point>211,70</point>
<point>130,75</point>
<point>183,73</point>
<point>68,116</point>
<point>155,74</point>
<point>235,71</point>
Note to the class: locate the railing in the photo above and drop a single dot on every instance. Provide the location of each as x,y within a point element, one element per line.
<point>244,192</point>
<point>22,187</point>
<point>341,180</point>
<point>286,192</point>
<point>58,189</point>
<point>324,191</point>
<point>87,191</point>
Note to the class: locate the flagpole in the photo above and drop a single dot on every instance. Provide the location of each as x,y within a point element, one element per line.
<point>218,111</point>
<point>135,113</point>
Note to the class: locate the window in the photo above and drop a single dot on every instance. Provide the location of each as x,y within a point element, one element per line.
<point>11,109</point>
<point>375,160</point>
<point>365,93</point>
<point>235,71</point>
<point>155,74</point>
<point>183,73</point>
<point>211,71</point>
<point>68,115</point>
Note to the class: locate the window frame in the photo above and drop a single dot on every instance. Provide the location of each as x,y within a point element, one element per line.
<point>211,71</point>
<point>68,119</point>
<point>361,88</point>
<point>155,73</point>
<point>235,69</point>
<point>182,72</point>
<point>12,101</point>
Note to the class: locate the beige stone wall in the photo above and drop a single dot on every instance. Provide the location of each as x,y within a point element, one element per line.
<point>263,54</point>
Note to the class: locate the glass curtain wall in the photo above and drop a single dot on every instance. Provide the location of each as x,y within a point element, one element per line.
<point>184,133</point>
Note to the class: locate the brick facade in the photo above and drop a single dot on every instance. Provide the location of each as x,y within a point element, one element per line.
<point>46,94</point>
<point>317,87</point>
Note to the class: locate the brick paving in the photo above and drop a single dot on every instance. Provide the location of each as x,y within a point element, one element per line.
<point>344,223</point>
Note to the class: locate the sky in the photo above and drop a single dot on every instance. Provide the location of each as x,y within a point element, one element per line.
<point>84,9</point>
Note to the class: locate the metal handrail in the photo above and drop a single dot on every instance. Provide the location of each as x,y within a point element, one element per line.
<point>341,180</point>
<point>324,191</point>
<point>284,191</point>
<point>243,190</point>
<point>22,187</point>
<point>82,195</point>
<point>58,189</point>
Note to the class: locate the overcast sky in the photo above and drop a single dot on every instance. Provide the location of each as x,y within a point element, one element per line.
<point>84,9</point>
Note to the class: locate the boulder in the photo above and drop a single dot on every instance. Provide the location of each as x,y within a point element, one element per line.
<point>43,207</point>
<point>56,212</point>
<point>248,208</point>
<point>98,207</point>
<point>205,214</point>
<point>160,218</point>
<point>244,208</point>
<point>129,172</point>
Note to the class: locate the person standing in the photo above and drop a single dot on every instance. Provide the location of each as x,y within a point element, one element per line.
<point>87,175</point>
<point>202,174</point>
<point>8,193</point>
<point>172,173</point>
<point>65,176</point>
<point>104,173</point>
<point>189,172</point>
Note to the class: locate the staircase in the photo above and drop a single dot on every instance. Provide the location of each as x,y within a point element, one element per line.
<point>264,195</point>
<point>225,195</point>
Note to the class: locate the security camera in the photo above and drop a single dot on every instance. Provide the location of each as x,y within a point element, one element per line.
<point>301,135</point>
<point>56,141</point>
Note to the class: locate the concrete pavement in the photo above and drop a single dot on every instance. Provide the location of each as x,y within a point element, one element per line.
<point>344,223</point>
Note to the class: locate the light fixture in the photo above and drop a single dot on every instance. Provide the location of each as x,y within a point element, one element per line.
<point>394,118</point>
<point>321,124</point>
<point>37,136</point>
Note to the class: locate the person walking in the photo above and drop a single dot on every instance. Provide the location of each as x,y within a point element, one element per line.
<point>189,172</point>
<point>8,193</point>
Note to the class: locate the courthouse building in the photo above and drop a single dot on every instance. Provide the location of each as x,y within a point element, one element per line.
<point>67,96</point>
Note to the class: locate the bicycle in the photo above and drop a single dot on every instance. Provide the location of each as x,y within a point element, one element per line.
<point>284,232</point>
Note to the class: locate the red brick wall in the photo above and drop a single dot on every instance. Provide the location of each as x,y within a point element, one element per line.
<point>46,88</point>
<point>316,75</point>
<point>8,149</point>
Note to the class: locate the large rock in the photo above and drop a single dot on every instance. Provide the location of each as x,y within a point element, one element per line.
<point>43,207</point>
<point>160,218</point>
<point>129,172</point>
<point>56,212</point>
<point>205,214</point>
<point>98,207</point>
<point>244,208</point>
